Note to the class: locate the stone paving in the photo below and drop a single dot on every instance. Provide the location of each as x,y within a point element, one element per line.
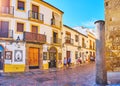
<point>83,75</point>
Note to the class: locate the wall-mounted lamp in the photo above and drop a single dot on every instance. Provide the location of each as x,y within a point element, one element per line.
<point>17,40</point>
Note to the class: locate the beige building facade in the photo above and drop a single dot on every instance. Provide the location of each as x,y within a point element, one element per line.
<point>77,45</point>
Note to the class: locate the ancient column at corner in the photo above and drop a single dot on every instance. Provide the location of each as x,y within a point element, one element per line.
<point>101,73</point>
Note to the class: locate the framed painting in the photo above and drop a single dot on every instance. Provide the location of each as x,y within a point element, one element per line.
<point>8,55</point>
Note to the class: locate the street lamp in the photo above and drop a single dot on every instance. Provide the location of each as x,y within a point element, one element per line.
<point>18,42</point>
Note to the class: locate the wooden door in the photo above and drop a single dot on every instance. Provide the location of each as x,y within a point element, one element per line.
<point>34,57</point>
<point>68,54</point>
<point>53,57</point>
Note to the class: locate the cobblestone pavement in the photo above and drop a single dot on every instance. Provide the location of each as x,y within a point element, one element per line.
<point>83,75</point>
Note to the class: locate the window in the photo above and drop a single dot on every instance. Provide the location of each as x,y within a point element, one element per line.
<point>90,44</point>
<point>93,45</point>
<point>35,29</point>
<point>56,19</point>
<point>4,28</point>
<point>83,42</point>
<point>80,54</point>
<point>106,3</point>
<point>21,5</point>
<point>76,55</point>
<point>76,38</point>
<point>35,10</point>
<point>68,37</point>
<point>20,27</point>
<point>55,37</point>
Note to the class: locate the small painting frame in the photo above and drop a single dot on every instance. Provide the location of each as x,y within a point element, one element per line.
<point>8,55</point>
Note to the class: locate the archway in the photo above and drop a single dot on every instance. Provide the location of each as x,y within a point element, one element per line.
<point>52,57</point>
<point>1,57</point>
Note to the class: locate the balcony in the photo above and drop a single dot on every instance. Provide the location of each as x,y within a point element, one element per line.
<point>7,34</point>
<point>36,16</point>
<point>34,37</point>
<point>7,10</point>
<point>69,40</point>
<point>55,40</point>
<point>55,23</point>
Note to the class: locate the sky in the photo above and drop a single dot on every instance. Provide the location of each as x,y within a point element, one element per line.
<point>80,12</point>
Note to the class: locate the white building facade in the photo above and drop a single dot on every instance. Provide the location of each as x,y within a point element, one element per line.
<point>29,34</point>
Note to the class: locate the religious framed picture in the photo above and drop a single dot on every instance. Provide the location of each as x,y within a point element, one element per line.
<point>8,55</point>
<point>18,56</point>
<point>44,55</point>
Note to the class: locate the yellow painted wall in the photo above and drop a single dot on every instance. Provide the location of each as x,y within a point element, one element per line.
<point>14,68</point>
<point>45,66</point>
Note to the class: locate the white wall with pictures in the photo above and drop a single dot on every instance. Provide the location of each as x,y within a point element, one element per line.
<point>18,52</point>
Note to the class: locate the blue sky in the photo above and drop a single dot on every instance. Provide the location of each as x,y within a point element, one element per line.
<point>80,12</point>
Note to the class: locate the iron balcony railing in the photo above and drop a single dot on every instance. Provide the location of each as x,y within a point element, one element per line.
<point>6,34</point>
<point>34,37</point>
<point>56,40</point>
<point>56,23</point>
<point>7,10</point>
<point>35,15</point>
<point>69,40</point>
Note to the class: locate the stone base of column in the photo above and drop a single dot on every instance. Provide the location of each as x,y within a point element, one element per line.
<point>108,84</point>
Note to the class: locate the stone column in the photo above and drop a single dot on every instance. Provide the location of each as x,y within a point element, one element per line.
<point>101,73</point>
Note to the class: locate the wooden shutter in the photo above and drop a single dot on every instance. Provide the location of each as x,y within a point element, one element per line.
<point>20,27</point>
<point>35,29</point>
<point>35,8</point>
<point>5,26</point>
<point>6,3</point>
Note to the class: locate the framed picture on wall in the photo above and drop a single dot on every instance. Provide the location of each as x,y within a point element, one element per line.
<point>18,56</point>
<point>60,56</point>
<point>8,55</point>
<point>44,55</point>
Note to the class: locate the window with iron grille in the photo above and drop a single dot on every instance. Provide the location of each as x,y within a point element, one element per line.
<point>76,38</point>
<point>76,55</point>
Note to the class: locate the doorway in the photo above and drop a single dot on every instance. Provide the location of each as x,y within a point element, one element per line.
<point>68,55</point>
<point>1,57</point>
<point>52,57</point>
<point>33,58</point>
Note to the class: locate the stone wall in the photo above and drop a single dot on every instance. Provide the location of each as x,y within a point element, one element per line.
<point>112,28</point>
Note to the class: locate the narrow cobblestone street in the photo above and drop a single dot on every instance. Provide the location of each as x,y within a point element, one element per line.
<point>82,75</point>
